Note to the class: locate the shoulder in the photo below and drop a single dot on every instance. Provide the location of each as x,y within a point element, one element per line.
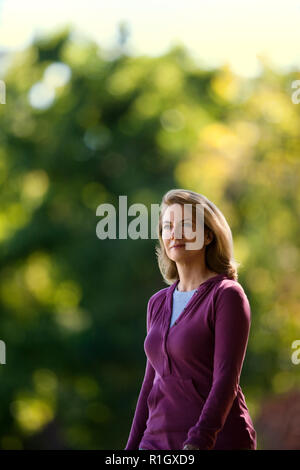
<point>158,297</point>
<point>230,284</point>
<point>230,295</point>
<point>155,302</point>
<point>229,287</point>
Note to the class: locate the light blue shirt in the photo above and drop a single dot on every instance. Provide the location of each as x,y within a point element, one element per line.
<point>180,299</point>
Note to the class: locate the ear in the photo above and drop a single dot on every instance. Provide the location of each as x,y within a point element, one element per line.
<point>208,236</point>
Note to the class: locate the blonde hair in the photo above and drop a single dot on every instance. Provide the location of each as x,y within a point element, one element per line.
<point>219,255</point>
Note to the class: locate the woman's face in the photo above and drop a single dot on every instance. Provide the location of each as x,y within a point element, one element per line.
<point>177,227</point>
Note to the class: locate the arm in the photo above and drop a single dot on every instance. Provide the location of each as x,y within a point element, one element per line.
<point>141,412</point>
<point>232,325</point>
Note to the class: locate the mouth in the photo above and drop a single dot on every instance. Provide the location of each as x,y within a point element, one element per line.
<point>178,246</point>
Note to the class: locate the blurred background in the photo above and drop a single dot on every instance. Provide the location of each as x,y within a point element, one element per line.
<point>135,99</point>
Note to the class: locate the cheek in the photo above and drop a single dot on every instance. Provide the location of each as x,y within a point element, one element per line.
<point>165,243</point>
<point>190,233</point>
<point>165,237</point>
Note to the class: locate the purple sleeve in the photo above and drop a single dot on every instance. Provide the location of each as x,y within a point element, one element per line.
<point>232,325</point>
<point>141,411</point>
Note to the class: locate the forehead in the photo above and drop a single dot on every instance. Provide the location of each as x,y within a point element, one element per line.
<point>177,212</point>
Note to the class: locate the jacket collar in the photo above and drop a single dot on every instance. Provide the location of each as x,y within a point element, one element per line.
<point>202,287</point>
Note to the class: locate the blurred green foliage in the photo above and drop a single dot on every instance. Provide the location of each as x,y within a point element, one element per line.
<point>81,127</point>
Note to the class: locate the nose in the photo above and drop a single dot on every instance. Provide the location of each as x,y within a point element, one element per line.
<point>176,233</point>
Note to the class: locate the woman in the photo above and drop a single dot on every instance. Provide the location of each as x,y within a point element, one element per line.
<point>197,335</point>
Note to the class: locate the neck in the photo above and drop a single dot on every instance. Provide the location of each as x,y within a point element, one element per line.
<point>191,276</point>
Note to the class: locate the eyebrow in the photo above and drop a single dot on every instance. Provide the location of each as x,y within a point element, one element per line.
<point>182,220</point>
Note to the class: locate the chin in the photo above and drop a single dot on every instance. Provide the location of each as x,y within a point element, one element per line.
<point>177,257</point>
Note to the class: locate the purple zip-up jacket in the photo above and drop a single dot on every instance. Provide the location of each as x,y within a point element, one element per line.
<point>191,393</point>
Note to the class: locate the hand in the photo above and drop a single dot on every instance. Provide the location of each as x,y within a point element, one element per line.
<point>190,447</point>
